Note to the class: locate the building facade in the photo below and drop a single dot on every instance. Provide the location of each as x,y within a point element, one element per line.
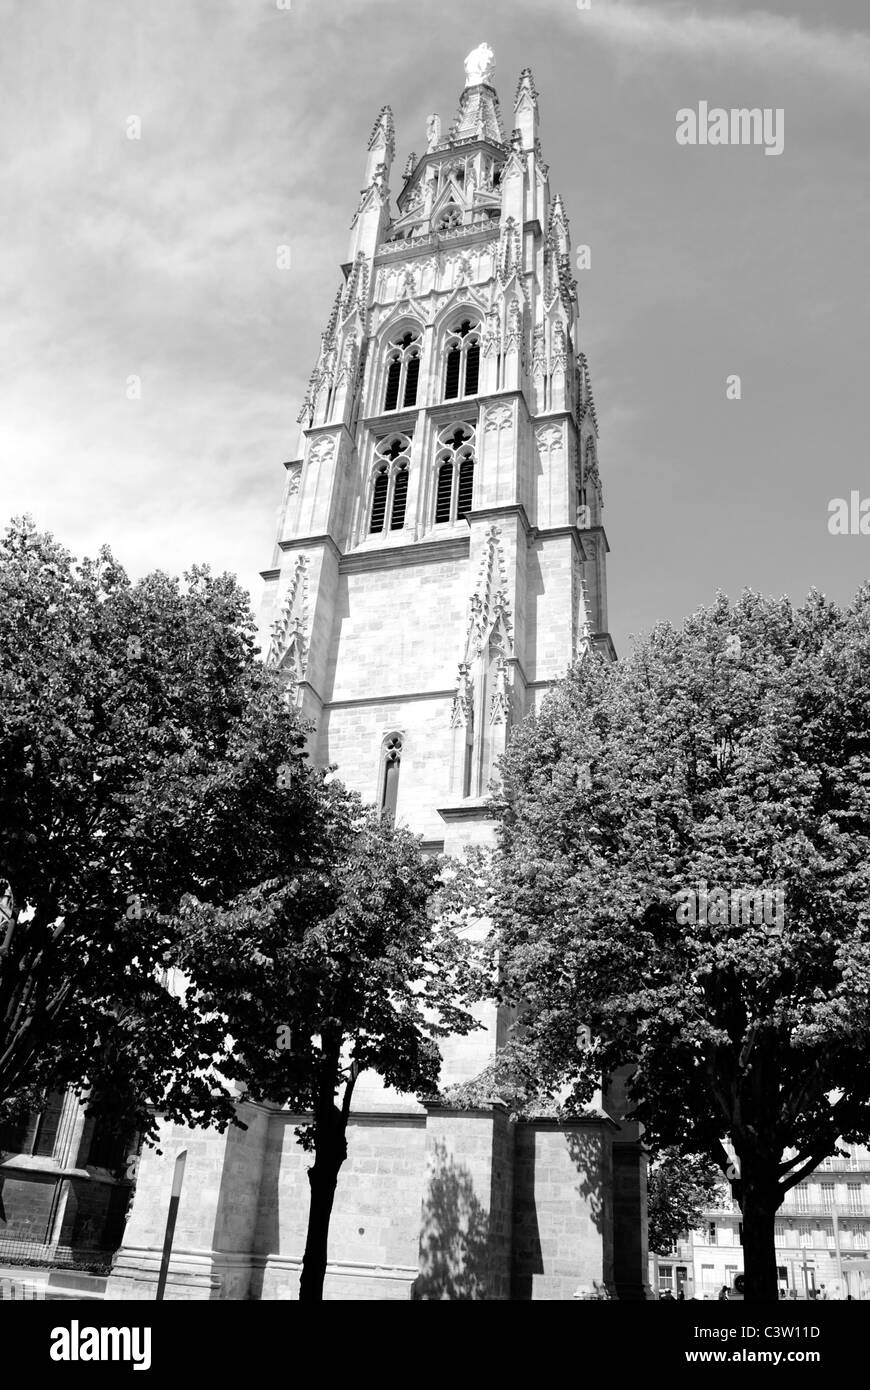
<point>821,1234</point>
<point>439,564</point>
<point>65,1183</point>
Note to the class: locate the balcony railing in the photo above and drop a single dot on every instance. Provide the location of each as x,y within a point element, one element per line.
<point>819,1209</point>
<point>406,244</point>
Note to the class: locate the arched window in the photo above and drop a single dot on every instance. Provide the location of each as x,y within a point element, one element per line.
<point>454,478</point>
<point>388,792</point>
<point>462,360</point>
<point>403,370</point>
<point>390,486</point>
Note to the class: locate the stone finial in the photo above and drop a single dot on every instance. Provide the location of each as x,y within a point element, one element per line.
<point>480,66</point>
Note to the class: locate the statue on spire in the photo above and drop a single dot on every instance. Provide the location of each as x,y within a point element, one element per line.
<point>433,132</point>
<point>480,66</point>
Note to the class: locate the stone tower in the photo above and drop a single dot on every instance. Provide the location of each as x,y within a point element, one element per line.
<point>439,563</point>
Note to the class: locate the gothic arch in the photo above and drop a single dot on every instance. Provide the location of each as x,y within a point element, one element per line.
<point>387,487</point>
<point>463,300</point>
<point>397,326</point>
<point>459,353</point>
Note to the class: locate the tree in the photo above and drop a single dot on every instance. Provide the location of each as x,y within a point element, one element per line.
<point>684,869</point>
<point>680,1188</point>
<point>145,753</point>
<point>330,969</point>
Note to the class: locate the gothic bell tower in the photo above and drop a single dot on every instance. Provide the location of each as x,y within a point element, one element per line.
<point>440,557</point>
<point>439,564</point>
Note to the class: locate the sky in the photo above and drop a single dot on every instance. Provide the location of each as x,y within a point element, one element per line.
<point>153,355</point>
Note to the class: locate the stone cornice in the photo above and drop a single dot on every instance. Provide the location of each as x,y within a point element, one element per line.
<point>534,533</point>
<point>482,1110</point>
<point>395,557</point>
<point>408,695</point>
<point>306,542</point>
<point>466,808</point>
<point>596,1119</point>
<point>509,509</point>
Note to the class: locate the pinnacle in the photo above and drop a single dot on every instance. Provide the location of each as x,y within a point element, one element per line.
<point>383,128</point>
<point>526,84</point>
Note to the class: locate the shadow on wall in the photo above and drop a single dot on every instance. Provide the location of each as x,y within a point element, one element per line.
<point>584,1146</point>
<point>555,1166</point>
<point>455,1235</point>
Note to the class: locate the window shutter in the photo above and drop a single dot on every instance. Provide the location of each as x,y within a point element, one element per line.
<point>443,494</point>
<point>400,497</point>
<point>412,373</point>
<point>472,369</point>
<point>451,381</point>
<point>466,486</point>
<point>379,501</point>
<point>391,399</point>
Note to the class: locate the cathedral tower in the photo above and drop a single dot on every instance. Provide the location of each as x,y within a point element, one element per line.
<point>440,557</point>
<point>439,564</point>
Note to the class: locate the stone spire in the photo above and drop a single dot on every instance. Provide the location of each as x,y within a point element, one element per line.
<point>372,212</point>
<point>526,109</point>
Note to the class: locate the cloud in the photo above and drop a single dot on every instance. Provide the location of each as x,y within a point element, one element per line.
<point>754,37</point>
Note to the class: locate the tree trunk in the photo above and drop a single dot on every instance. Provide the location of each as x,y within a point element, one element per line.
<point>330,1151</point>
<point>760,1202</point>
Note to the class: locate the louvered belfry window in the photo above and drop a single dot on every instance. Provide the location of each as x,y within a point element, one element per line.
<point>379,499</point>
<point>390,483</point>
<point>454,473</point>
<point>403,370</point>
<point>451,380</point>
<point>466,483</point>
<point>444,491</point>
<point>412,375</point>
<point>400,498</point>
<point>462,360</point>
<point>394,376</point>
<point>472,368</point>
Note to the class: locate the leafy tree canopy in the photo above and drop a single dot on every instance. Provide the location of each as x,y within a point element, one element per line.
<point>145,754</point>
<point>680,1189</point>
<point>729,754</point>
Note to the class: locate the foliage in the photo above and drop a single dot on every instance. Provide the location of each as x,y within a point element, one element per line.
<point>732,752</point>
<point>334,968</point>
<point>140,748</point>
<point>680,1188</point>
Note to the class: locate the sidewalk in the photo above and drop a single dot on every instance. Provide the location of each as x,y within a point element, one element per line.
<point>50,1284</point>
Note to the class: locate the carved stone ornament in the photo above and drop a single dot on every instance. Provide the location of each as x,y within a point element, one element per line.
<point>480,66</point>
<point>322,449</point>
<point>498,417</point>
